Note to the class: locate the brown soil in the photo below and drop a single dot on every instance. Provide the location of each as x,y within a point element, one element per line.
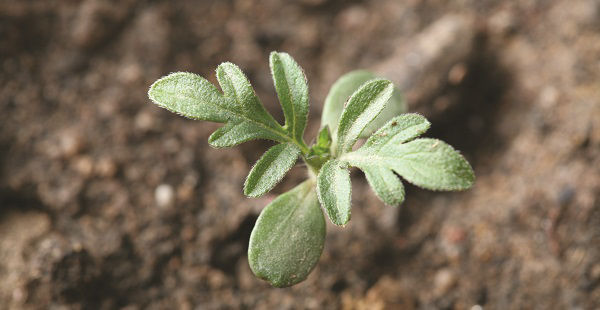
<point>107,201</point>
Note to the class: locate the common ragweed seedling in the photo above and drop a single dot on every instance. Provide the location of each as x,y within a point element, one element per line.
<point>289,235</point>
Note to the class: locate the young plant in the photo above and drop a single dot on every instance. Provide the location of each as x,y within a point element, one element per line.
<point>289,235</point>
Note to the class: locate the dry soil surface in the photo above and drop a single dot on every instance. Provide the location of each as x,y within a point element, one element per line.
<point>107,201</point>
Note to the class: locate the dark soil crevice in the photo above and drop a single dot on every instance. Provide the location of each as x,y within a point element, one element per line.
<point>232,247</point>
<point>469,122</point>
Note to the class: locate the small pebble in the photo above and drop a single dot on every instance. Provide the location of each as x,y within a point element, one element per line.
<point>84,165</point>
<point>106,167</point>
<point>457,73</point>
<point>70,144</point>
<point>444,280</point>
<point>144,121</point>
<point>565,196</point>
<point>164,195</point>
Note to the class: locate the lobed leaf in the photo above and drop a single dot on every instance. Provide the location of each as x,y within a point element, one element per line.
<point>432,164</point>
<point>334,191</point>
<point>343,88</point>
<point>194,97</point>
<point>191,96</point>
<point>270,169</point>
<point>292,91</point>
<point>363,106</point>
<point>288,237</point>
<point>428,163</point>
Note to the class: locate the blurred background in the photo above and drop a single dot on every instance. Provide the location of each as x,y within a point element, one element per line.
<point>107,201</point>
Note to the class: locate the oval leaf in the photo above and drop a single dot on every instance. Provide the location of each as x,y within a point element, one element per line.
<point>292,91</point>
<point>364,105</point>
<point>335,191</point>
<point>270,169</point>
<point>288,237</point>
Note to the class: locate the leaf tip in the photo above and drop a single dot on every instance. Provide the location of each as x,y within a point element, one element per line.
<point>250,191</point>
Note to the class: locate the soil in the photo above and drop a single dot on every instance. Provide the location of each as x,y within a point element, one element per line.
<point>107,201</point>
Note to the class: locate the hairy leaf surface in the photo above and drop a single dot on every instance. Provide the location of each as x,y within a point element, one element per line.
<point>343,88</point>
<point>292,91</point>
<point>270,169</point>
<point>335,191</point>
<point>192,96</point>
<point>235,85</point>
<point>288,237</point>
<point>428,163</point>
<point>398,130</point>
<point>386,185</point>
<point>363,106</point>
<point>236,132</point>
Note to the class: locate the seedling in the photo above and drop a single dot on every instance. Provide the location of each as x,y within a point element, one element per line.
<point>289,235</point>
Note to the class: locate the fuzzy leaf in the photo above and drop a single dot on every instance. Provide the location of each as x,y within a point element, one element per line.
<point>398,130</point>
<point>236,132</point>
<point>320,152</point>
<point>270,169</point>
<point>288,237</point>
<point>192,96</point>
<point>335,191</point>
<point>363,106</point>
<point>292,90</point>
<point>385,183</point>
<point>394,106</point>
<point>235,85</point>
<point>343,88</point>
<point>428,163</point>
<point>323,142</point>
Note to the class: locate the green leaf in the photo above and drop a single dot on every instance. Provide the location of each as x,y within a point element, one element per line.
<point>323,142</point>
<point>398,130</point>
<point>432,164</point>
<point>194,97</point>
<point>235,85</point>
<point>335,191</point>
<point>292,90</point>
<point>428,163</point>
<point>319,153</point>
<point>363,106</point>
<point>288,237</point>
<point>191,96</point>
<point>343,88</point>
<point>393,107</point>
<point>270,169</point>
<point>236,132</point>
<point>385,183</point>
